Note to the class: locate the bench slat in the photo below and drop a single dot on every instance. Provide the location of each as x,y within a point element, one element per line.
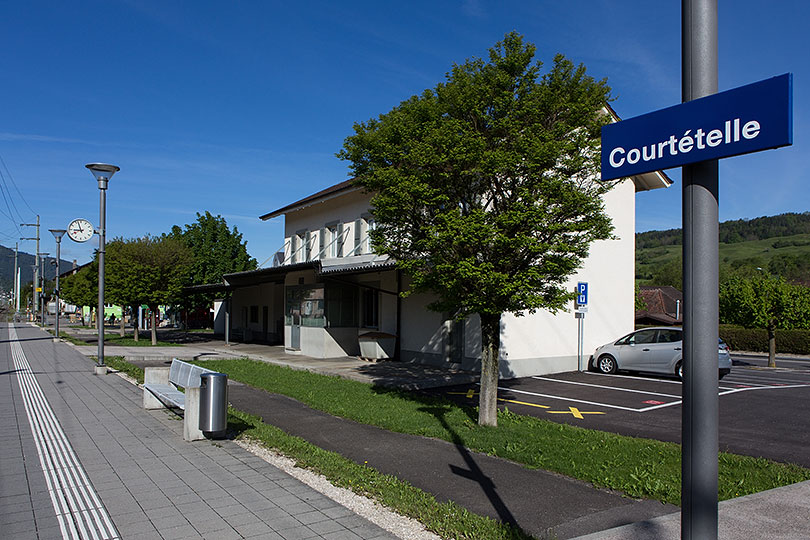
<point>185,374</point>
<point>167,394</point>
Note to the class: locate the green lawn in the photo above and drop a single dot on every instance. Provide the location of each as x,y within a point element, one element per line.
<point>637,467</point>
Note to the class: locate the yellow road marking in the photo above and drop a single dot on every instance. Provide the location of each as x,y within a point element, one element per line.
<point>471,393</point>
<point>576,413</point>
<point>524,403</point>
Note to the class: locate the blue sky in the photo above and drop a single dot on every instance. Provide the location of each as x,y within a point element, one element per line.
<point>238,108</point>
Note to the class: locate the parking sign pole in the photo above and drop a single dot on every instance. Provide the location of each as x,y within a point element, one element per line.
<point>699,464</point>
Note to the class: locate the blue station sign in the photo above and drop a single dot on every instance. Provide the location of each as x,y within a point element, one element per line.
<point>747,119</point>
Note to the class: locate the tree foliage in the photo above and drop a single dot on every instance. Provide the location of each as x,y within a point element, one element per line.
<point>216,249</point>
<point>484,188</point>
<point>148,270</point>
<point>81,288</point>
<point>765,301</point>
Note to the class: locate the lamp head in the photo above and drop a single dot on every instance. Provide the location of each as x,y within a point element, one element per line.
<point>103,172</point>
<point>57,233</point>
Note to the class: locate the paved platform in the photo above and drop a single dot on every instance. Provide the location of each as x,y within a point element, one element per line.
<point>80,458</point>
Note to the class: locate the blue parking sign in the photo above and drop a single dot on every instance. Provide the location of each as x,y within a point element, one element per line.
<point>582,293</point>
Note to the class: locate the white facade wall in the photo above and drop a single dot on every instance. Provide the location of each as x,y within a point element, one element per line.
<point>343,213</point>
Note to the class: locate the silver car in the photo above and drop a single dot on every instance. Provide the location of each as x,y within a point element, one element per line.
<point>657,350</point>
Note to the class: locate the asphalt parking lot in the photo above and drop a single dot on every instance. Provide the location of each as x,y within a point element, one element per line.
<point>763,411</point>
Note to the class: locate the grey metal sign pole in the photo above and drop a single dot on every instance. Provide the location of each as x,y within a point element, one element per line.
<point>699,464</point>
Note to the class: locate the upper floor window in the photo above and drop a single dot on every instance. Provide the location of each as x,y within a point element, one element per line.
<point>332,243</point>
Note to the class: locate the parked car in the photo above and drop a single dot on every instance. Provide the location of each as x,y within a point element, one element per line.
<point>657,350</point>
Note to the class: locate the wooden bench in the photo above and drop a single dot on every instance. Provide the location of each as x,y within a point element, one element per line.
<point>160,390</point>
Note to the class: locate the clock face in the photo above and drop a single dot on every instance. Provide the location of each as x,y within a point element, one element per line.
<point>80,230</point>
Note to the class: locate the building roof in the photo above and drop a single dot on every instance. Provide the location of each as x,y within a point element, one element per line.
<point>664,304</point>
<point>338,189</point>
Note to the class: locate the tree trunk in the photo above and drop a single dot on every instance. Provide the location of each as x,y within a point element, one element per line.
<point>772,344</point>
<point>153,317</point>
<point>136,323</point>
<point>490,349</point>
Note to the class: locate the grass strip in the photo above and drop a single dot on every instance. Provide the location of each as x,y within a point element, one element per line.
<point>640,468</point>
<point>448,520</point>
<point>119,364</point>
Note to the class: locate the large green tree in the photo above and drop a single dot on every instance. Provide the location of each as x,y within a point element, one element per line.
<point>765,301</point>
<point>125,273</point>
<point>216,250</point>
<point>149,270</point>
<point>484,188</point>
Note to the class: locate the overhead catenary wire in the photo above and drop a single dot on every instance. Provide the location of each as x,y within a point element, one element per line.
<point>11,177</point>
<point>13,213</point>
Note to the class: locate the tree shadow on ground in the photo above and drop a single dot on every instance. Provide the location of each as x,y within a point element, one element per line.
<point>473,471</point>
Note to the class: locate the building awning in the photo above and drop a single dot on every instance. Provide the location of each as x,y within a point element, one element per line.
<point>357,265</point>
<point>337,266</point>
<point>207,288</point>
<point>275,274</point>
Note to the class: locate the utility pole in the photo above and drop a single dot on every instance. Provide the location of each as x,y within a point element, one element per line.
<point>16,285</point>
<point>43,263</point>
<point>36,272</point>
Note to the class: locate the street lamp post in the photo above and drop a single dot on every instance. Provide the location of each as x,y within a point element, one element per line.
<point>57,234</point>
<point>103,172</point>
<point>42,259</point>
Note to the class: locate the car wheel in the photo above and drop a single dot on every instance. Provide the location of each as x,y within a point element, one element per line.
<point>607,364</point>
<point>679,370</point>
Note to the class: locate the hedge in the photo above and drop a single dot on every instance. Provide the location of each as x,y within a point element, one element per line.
<point>756,339</point>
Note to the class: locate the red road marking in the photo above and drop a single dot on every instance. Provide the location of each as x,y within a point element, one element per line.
<point>653,402</point>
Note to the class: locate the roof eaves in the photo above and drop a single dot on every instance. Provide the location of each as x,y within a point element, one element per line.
<point>341,188</point>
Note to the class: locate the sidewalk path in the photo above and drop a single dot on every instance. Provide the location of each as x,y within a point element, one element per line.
<point>80,458</point>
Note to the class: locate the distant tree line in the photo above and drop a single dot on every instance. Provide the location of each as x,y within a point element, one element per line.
<point>739,230</point>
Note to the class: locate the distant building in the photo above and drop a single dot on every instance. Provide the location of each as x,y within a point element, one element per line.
<point>664,306</point>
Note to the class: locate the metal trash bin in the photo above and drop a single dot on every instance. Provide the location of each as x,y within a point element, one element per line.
<point>213,404</point>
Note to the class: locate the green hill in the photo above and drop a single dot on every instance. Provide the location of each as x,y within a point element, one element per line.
<point>25,261</point>
<point>777,244</point>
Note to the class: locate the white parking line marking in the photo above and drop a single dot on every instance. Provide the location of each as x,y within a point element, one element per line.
<point>722,391</point>
<point>631,377</point>
<point>569,399</point>
<point>781,387</point>
<point>608,387</point>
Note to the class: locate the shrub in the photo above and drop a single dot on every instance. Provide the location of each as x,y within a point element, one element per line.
<point>756,339</point>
